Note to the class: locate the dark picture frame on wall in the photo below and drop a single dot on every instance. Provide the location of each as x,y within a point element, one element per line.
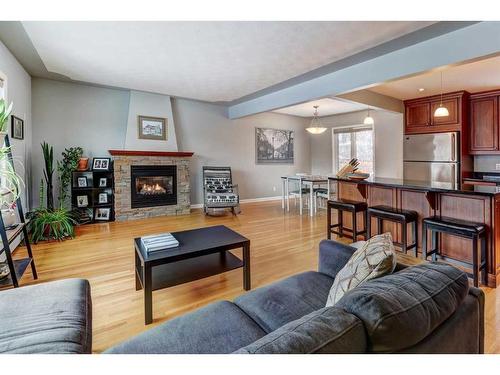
<point>153,128</point>
<point>274,146</point>
<point>17,127</point>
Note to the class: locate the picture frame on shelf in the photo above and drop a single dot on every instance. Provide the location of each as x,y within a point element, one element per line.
<point>101,164</point>
<point>102,214</point>
<point>82,201</point>
<point>103,198</point>
<point>17,127</point>
<point>82,182</point>
<point>103,182</point>
<point>153,128</point>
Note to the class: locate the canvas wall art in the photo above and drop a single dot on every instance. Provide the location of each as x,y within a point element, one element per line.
<point>274,146</point>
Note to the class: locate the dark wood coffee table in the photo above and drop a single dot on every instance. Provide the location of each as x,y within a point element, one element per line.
<point>201,253</point>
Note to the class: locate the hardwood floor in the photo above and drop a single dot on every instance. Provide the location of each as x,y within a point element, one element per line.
<point>281,245</point>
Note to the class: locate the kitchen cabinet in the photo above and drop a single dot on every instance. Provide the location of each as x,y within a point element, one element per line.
<point>453,105</point>
<point>419,113</point>
<point>484,124</point>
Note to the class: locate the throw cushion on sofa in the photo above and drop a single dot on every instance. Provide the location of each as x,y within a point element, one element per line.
<point>375,258</point>
<point>400,310</point>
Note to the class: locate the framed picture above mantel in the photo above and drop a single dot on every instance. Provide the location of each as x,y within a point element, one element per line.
<point>153,128</point>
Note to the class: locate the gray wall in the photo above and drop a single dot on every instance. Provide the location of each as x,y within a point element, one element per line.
<point>95,118</point>
<point>388,142</point>
<point>216,140</point>
<point>69,115</point>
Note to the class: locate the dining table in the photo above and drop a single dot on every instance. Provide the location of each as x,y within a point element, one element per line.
<point>308,180</point>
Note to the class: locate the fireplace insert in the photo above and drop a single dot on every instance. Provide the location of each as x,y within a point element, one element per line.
<point>153,185</point>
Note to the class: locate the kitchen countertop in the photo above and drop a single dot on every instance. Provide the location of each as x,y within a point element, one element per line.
<point>425,185</point>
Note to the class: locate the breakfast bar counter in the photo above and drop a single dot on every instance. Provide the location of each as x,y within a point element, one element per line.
<point>474,203</point>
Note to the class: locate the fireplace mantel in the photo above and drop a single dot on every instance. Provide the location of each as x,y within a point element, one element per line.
<point>151,153</point>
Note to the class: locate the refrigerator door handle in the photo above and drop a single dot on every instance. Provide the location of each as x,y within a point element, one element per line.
<point>453,145</point>
<point>454,174</point>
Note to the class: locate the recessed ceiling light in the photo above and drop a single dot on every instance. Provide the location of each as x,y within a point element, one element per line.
<point>421,89</point>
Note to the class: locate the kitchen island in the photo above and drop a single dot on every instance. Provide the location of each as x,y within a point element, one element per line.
<point>475,203</point>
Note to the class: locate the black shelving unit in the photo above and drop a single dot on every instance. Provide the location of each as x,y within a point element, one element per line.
<point>17,267</point>
<point>92,191</point>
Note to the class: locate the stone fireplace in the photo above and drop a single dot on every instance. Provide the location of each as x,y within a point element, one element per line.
<point>150,183</point>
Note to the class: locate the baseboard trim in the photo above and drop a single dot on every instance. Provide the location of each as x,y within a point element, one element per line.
<point>243,201</point>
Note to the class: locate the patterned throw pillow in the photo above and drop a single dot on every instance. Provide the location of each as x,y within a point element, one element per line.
<point>374,259</point>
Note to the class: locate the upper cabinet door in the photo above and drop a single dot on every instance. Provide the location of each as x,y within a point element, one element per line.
<point>417,115</point>
<point>484,124</point>
<point>452,105</point>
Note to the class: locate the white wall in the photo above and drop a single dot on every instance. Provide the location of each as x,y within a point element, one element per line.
<point>388,142</point>
<point>154,105</point>
<point>95,118</point>
<point>18,91</point>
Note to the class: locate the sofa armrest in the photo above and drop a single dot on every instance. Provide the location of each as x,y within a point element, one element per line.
<point>333,256</point>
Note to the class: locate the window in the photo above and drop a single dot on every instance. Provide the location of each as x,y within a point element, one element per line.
<point>355,142</point>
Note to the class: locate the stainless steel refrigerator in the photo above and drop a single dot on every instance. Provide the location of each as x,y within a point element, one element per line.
<point>432,157</point>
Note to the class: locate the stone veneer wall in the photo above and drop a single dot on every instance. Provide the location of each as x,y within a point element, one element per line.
<point>123,210</point>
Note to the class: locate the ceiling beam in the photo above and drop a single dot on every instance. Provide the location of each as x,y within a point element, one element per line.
<point>374,100</point>
<point>471,42</point>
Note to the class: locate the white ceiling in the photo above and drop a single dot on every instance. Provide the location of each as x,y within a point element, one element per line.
<point>473,77</point>
<point>327,107</point>
<point>212,61</point>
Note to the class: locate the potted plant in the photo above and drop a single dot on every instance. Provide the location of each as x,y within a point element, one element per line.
<point>11,181</point>
<point>4,115</point>
<point>70,162</point>
<point>48,222</point>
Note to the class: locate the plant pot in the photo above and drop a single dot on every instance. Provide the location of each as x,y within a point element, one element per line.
<point>83,164</point>
<point>8,217</point>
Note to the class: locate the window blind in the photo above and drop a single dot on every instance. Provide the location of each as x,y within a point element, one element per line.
<point>352,130</point>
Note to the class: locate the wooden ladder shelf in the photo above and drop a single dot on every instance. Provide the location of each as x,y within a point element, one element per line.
<point>17,267</point>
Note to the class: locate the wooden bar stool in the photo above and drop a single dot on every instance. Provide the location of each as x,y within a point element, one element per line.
<point>349,206</point>
<point>403,217</point>
<point>474,231</point>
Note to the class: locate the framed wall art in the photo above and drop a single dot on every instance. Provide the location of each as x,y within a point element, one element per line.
<point>154,128</point>
<point>274,146</point>
<point>17,129</point>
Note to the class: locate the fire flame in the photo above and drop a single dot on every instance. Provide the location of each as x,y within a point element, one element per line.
<point>152,189</point>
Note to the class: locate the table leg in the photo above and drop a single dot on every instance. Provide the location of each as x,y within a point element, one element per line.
<point>283,190</point>
<point>138,285</point>
<point>246,266</point>
<point>148,295</point>
<point>311,204</point>
<point>300,197</point>
<point>287,189</point>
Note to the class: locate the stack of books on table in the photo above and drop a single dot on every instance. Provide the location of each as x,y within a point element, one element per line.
<point>159,242</point>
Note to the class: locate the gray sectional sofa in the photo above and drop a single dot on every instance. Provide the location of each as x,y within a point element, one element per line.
<point>428,308</point>
<point>423,309</point>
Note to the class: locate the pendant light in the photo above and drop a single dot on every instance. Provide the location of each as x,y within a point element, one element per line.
<point>441,111</point>
<point>315,127</point>
<point>368,119</point>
